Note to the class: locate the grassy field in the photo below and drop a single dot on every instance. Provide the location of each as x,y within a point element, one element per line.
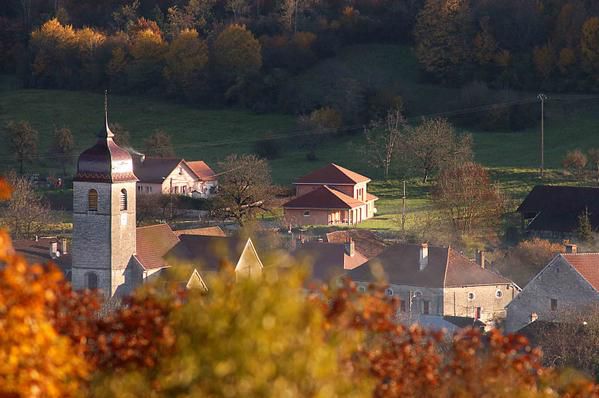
<point>212,134</point>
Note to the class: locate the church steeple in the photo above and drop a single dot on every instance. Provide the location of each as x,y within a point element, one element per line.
<point>105,132</point>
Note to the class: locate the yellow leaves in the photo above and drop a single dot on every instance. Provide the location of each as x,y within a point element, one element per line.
<point>187,56</point>
<point>237,53</point>
<point>147,44</point>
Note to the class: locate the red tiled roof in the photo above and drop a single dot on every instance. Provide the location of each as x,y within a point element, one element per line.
<point>202,170</point>
<point>370,197</point>
<point>323,198</point>
<point>154,170</point>
<point>446,268</point>
<point>332,174</point>
<point>587,265</point>
<point>328,260</point>
<point>153,243</point>
<point>367,242</point>
<point>206,231</point>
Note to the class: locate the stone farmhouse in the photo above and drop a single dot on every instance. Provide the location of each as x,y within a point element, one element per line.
<point>174,176</point>
<point>437,281</point>
<point>552,212</point>
<point>568,283</point>
<point>332,195</point>
<point>108,251</point>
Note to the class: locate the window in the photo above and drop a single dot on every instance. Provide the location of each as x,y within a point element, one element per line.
<point>553,304</point>
<point>140,188</point>
<point>184,189</point>
<point>478,312</point>
<point>402,305</point>
<point>471,296</point>
<point>91,280</point>
<point>426,307</point>
<point>92,200</point>
<point>361,289</point>
<point>498,294</point>
<point>147,189</point>
<point>389,292</point>
<point>307,213</point>
<point>123,200</point>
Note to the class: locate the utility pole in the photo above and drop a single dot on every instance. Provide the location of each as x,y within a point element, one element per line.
<point>542,97</point>
<point>403,210</point>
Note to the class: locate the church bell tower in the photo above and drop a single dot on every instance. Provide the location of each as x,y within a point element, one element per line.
<point>103,216</point>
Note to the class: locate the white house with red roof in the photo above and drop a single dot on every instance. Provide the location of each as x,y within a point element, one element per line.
<point>331,195</point>
<point>568,284</point>
<point>174,176</point>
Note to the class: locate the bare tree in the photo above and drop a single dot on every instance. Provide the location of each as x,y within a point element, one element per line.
<point>245,188</point>
<point>122,137</point>
<point>23,141</point>
<point>575,162</point>
<point>465,194</point>
<point>571,340</point>
<point>382,139</point>
<point>593,157</point>
<point>434,144</point>
<point>24,214</point>
<point>239,8</point>
<point>62,146</point>
<point>159,144</point>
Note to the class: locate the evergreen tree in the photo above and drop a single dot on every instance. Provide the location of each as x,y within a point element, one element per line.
<point>585,229</point>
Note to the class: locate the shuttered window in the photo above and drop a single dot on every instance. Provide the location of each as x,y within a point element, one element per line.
<point>123,200</point>
<point>92,200</point>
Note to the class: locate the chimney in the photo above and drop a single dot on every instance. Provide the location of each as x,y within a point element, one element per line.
<point>63,246</point>
<point>350,247</point>
<point>571,248</point>
<point>480,258</point>
<point>423,258</point>
<point>53,249</point>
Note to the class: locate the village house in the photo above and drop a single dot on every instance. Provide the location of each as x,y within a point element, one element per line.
<point>331,195</point>
<point>174,176</point>
<point>552,212</point>
<point>327,261</point>
<point>568,284</point>
<point>439,281</point>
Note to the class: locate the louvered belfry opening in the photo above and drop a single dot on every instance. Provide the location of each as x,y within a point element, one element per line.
<point>123,200</point>
<point>92,200</point>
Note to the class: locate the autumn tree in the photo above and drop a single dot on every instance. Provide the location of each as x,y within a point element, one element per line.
<point>159,145</point>
<point>36,360</point>
<point>237,54</point>
<point>22,140</point>
<point>522,262</point>
<point>585,229</point>
<point>544,60</point>
<point>63,145</point>
<point>575,162</point>
<point>147,49</point>
<point>465,194</point>
<point>316,126</point>
<point>443,38</point>
<point>593,161</point>
<point>589,45</point>
<point>122,137</point>
<point>382,140</point>
<point>244,188</point>
<point>434,144</point>
<point>186,64</point>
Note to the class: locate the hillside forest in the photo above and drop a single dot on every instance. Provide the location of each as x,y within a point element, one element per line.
<point>249,53</point>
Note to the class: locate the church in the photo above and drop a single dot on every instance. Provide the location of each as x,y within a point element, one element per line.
<point>110,253</point>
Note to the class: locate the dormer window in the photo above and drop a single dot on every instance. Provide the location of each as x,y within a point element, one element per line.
<point>389,292</point>
<point>123,200</point>
<point>92,200</point>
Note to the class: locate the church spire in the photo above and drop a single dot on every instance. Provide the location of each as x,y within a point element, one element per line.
<point>106,133</point>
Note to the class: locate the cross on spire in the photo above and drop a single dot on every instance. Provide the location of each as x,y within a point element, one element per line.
<point>106,133</point>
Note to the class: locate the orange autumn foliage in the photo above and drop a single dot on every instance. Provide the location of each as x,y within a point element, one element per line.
<point>416,362</point>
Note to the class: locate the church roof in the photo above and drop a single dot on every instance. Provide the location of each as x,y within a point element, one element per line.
<point>105,161</point>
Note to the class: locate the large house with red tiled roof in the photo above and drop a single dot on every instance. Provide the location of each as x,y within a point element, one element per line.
<point>329,196</point>
<point>437,281</point>
<point>174,175</point>
<point>568,284</point>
